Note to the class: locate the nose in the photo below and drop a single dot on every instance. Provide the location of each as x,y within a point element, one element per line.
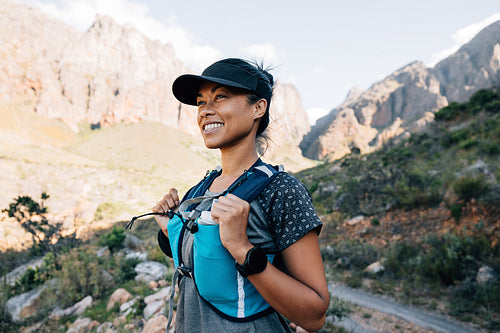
<point>204,112</point>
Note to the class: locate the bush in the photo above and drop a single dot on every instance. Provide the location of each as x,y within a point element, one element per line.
<point>470,186</point>
<point>113,239</point>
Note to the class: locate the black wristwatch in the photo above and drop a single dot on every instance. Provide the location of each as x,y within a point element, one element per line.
<point>255,262</point>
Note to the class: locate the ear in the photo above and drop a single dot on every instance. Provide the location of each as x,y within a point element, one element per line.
<point>260,108</point>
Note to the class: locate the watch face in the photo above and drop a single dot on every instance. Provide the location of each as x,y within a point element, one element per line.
<point>258,260</point>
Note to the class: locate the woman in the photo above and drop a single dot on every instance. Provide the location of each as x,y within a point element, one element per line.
<point>271,240</point>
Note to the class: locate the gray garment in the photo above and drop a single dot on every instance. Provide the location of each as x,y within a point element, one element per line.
<point>195,315</point>
<point>280,215</point>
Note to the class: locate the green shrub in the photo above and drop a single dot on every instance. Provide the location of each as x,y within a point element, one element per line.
<point>456,211</point>
<point>449,112</point>
<point>114,238</point>
<point>79,276</point>
<point>470,186</point>
<point>126,269</point>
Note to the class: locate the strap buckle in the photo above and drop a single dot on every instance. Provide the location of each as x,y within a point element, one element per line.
<point>184,271</point>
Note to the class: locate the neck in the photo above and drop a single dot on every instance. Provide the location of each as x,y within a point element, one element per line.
<point>236,160</point>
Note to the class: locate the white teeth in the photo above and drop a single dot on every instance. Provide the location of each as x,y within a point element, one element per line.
<point>212,126</point>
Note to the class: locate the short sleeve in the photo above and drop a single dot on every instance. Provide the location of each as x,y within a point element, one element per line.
<point>288,206</point>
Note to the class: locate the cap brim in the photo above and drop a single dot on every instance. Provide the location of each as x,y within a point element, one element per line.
<point>187,86</point>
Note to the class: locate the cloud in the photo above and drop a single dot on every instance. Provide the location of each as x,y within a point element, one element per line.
<point>261,52</point>
<point>315,113</point>
<point>81,14</point>
<point>461,37</point>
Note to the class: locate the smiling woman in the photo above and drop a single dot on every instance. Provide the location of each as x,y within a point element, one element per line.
<point>251,256</point>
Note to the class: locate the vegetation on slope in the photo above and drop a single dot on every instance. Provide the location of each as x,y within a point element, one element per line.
<point>429,207</point>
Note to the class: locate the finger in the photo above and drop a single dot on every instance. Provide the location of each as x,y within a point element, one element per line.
<point>175,196</point>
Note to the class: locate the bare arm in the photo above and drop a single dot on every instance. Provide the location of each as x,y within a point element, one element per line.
<point>301,294</point>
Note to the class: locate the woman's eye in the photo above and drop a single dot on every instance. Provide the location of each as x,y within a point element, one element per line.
<point>219,96</point>
<point>200,103</point>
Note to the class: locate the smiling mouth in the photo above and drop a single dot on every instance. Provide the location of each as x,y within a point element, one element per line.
<point>213,126</point>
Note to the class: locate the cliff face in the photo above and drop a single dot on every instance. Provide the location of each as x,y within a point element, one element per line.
<point>406,100</point>
<point>109,74</point>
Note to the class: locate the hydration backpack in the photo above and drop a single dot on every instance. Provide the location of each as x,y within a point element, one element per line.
<point>213,271</point>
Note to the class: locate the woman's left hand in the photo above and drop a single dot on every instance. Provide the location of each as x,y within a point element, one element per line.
<point>231,213</point>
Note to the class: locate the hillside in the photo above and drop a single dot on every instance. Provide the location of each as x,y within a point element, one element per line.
<point>426,209</point>
<point>404,102</point>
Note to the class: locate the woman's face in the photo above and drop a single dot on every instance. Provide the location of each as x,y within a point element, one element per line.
<point>225,117</point>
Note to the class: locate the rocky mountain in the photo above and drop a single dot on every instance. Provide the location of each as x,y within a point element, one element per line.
<point>406,100</point>
<point>111,73</point>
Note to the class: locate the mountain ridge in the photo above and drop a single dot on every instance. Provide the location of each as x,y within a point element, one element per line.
<point>404,101</point>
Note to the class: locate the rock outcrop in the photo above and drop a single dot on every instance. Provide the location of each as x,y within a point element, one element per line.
<point>405,101</point>
<point>111,73</point>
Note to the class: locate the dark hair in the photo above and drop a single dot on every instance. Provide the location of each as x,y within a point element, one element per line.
<point>258,70</point>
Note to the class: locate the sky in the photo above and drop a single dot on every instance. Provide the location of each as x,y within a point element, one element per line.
<point>323,47</point>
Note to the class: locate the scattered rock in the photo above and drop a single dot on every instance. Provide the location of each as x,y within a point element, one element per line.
<point>75,309</point>
<point>119,296</point>
<point>17,273</point>
<point>153,285</point>
<point>153,308</point>
<point>150,270</point>
<point>355,220</point>
<point>486,275</point>
<point>132,242</point>
<point>82,325</point>
<point>141,255</point>
<point>106,327</point>
<point>161,295</point>
<point>375,268</point>
<point>157,324</point>
<point>26,305</point>
<point>126,307</point>
<point>103,251</point>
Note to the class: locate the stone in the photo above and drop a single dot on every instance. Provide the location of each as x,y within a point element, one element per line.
<point>26,305</point>
<point>157,324</point>
<point>486,275</point>
<point>153,308</point>
<point>119,296</point>
<point>103,251</point>
<point>18,272</point>
<point>150,270</point>
<point>355,220</point>
<point>82,325</point>
<point>153,285</point>
<point>161,295</point>
<point>76,309</point>
<point>126,307</point>
<point>132,242</point>
<point>375,268</point>
<point>106,327</point>
<point>141,255</point>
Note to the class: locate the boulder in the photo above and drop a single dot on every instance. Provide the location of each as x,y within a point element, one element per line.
<point>126,307</point>
<point>119,296</point>
<point>26,305</point>
<point>106,327</point>
<point>150,270</point>
<point>157,324</point>
<point>486,275</point>
<point>132,242</point>
<point>17,273</point>
<point>161,295</point>
<point>153,308</point>
<point>82,325</point>
<point>375,268</point>
<point>75,309</point>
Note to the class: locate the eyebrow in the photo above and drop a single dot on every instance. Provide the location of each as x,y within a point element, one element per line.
<point>214,89</point>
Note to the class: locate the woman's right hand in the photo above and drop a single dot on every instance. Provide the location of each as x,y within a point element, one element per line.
<point>169,202</point>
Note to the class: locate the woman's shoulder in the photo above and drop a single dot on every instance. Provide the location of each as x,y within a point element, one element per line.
<point>284,184</point>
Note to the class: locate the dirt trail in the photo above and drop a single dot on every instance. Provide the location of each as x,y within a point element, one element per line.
<point>407,313</point>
